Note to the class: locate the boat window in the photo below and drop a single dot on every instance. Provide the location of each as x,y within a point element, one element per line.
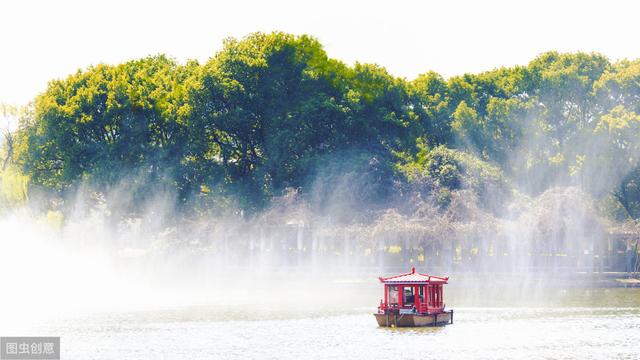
<point>393,295</point>
<point>408,296</point>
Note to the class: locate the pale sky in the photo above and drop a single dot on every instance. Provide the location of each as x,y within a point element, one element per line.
<point>43,40</point>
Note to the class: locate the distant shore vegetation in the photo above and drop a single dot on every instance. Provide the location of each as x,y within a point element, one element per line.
<point>271,115</point>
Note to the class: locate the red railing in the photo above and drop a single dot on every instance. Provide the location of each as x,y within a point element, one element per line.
<point>382,308</point>
<point>422,308</point>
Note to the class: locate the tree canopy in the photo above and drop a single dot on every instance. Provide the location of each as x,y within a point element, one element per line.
<point>270,112</point>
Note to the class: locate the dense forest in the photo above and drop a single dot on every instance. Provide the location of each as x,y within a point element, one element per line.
<point>272,114</point>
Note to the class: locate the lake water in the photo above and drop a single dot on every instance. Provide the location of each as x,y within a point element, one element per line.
<point>336,323</point>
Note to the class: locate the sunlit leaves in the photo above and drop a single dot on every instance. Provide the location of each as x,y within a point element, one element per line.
<point>271,111</point>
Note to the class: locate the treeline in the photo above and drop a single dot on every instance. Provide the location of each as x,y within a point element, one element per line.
<point>272,112</point>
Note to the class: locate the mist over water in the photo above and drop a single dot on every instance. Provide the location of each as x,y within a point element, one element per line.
<point>87,262</point>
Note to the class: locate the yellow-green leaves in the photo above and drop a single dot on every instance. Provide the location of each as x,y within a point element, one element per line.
<point>618,118</point>
<point>13,187</point>
<point>271,110</point>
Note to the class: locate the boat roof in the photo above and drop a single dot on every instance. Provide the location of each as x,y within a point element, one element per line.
<point>414,278</point>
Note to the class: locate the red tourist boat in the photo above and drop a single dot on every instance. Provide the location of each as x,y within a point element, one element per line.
<point>413,299</point>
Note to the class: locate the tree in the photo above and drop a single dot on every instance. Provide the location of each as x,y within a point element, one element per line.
<point>275,106</point>
<point>429,99</point>
<point>109,122</point>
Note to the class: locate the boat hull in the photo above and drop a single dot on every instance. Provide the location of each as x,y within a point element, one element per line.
<point>414,320</point>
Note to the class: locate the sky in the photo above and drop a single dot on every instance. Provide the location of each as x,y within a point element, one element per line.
<point>44,40</point>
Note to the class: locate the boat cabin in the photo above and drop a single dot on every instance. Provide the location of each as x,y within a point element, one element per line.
<point>413,293</point>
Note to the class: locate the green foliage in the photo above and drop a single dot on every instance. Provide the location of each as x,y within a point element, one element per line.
<point>272,106</point>
<point>447,170</point>
<point>429,99</point>
<point>108,121</point>
<point>13,188</point>
<point>628,193</point>
<point>271,112</point>
<point>344,182</point>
